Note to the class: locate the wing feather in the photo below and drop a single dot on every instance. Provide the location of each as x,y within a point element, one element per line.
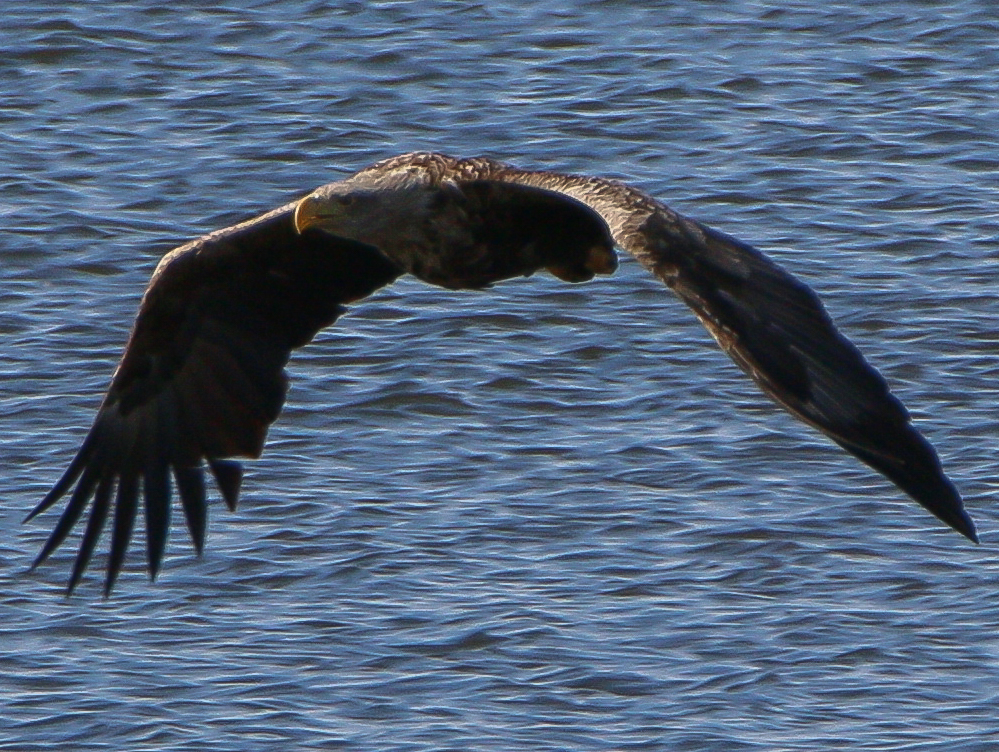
<point>191,486</point>
<point>126,507</point>
<point>95,526</point>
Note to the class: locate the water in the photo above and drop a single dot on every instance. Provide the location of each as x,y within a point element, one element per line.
<point>544,517</point>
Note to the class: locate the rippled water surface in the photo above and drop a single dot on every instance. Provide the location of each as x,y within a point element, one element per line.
<point>543,517</point>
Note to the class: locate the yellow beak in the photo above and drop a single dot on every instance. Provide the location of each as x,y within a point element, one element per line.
<point>311,212</point>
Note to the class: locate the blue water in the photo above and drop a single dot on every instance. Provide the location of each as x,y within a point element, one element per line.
<point>545,517</point>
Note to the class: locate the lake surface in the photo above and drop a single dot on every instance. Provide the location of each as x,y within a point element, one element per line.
<point>544,517</point>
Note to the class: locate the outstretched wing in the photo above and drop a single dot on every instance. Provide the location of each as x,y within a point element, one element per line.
<point>202,377</point>
<point>776,329</point>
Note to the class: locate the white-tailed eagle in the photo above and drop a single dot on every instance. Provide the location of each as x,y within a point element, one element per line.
<point>202,377</point>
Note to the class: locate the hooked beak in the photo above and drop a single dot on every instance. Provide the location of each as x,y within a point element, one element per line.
<point>312,212</point>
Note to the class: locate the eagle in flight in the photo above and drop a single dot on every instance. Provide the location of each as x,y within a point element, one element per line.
<point>202,376</point>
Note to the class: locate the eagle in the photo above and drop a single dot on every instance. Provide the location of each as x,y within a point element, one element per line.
<point>202,376</point>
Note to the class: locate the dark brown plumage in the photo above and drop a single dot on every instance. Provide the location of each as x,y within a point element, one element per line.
<point>202,376</point>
